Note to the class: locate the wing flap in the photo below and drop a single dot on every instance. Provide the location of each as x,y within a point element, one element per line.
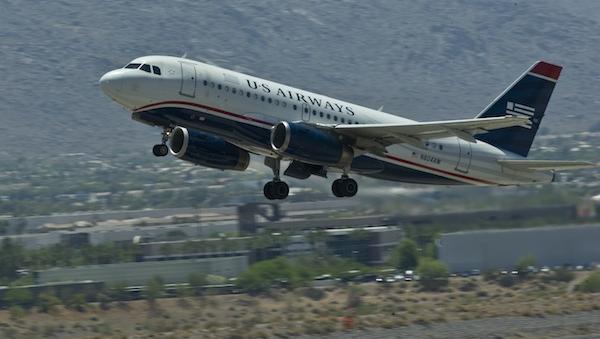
<point>545,165</point>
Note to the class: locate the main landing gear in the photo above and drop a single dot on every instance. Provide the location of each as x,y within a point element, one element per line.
<point>161,150</point>
<point>275,189</point>
<point>278,190</point>
<point>344,187</point>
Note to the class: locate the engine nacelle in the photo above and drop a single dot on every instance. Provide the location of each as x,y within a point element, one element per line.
<point>207,150</point>
<point>309,144</point>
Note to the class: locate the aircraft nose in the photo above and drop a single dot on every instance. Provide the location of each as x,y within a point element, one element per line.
<point>111,82</point>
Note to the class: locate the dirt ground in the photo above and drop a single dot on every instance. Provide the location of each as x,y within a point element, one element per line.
<point>470,308</point>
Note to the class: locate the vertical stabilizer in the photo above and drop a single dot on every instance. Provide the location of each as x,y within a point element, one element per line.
<point>527,97</point>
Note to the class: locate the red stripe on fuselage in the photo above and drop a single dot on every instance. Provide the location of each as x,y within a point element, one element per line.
<point>175,102</point>
<point>439,170</point>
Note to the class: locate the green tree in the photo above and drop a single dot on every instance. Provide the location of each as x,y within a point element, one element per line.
<point>104,301</point>
<point>18,296</point>
<point>433,274</point>
<point>17,312</point>
<point>4,227</point>
<point>524,263</point>
<point>183,291</point>
<point>430,250</point>
<point>11,258</point>
<point>405,255</point>
<point>197,281</point>
<point>118,291</point>
<point>46,301</point>
<point>76,302</point>
<point>154,289</point>
<point>279,271</point>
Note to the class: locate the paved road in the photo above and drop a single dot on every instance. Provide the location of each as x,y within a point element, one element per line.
<point>581,325</point>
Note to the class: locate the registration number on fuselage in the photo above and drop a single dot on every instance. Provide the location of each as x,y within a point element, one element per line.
<point>430,158</point>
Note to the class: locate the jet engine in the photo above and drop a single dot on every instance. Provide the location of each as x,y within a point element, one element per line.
<point>207,150</point>
<point>309,144</point>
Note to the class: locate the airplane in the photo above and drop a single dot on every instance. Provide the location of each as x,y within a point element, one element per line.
<point>215,117</point>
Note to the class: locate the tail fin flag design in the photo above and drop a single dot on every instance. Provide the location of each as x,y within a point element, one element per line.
<point>527,97</point>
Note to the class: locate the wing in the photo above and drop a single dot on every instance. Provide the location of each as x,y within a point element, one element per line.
<point>545,165</point>
<point>415,133</point>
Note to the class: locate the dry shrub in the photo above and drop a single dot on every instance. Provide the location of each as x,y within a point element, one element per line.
<point>354,298</point>
<point>422,321</point>
<point>439,318</point>
<point>481,294</point>
<point>400,322</point>
<point>312,293</point>
<point>468,286</point>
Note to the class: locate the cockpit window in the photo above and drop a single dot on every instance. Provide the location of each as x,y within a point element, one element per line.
<point>133,66</point>
<point>156,70</point>
<point>145,68</point>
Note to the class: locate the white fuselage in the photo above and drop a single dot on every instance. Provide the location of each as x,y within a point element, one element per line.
<point>260,103</point>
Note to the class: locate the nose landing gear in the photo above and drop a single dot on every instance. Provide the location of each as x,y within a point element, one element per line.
<point>161,150</point>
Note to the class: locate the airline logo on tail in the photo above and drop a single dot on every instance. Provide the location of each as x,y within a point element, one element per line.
<point>522,111</point>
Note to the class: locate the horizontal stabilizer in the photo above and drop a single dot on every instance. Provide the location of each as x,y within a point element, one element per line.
<point>545,165</point>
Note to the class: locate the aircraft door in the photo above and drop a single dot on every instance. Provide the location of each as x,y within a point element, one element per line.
<point>464,156</point>
<point>188,80</point>
<point>305,112</point>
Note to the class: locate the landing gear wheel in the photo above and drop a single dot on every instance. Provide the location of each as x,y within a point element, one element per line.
<point>268,190</point>
<point>350,187</point>
<point>276,190</point>
<point>344,187</point>
<point>160,150</point>
<point>281,189</point>
<point>336,188</point>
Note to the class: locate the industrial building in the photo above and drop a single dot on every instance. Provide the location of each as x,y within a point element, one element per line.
<point>501,249</point>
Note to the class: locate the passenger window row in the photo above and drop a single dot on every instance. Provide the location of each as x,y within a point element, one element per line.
<point>145,67</point>
<point>276,102</point>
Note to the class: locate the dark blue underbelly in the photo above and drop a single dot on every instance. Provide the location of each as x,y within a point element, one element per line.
<point>248,134</point>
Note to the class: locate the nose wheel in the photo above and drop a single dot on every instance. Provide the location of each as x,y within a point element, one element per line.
<point>161,150</point>
<point>344,187</point>
<point>275,189</point>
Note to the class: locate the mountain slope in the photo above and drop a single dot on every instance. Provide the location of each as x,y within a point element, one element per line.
<point>422,59</point>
